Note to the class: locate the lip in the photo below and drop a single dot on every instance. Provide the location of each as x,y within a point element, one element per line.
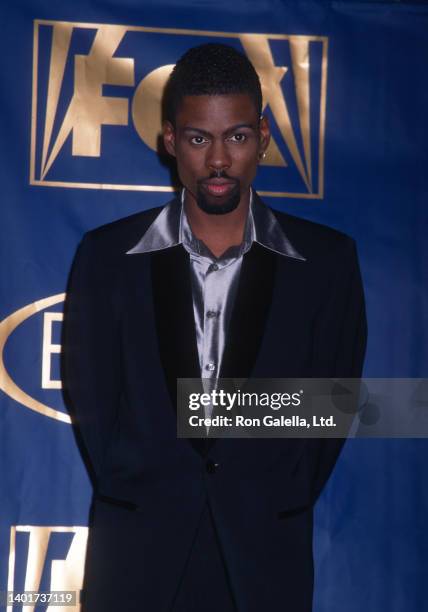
<point>218,187</point>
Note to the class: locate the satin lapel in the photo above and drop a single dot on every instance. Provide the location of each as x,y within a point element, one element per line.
<point>175,324</point>
<point>249,313</point>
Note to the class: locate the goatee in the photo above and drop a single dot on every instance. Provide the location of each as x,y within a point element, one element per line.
<point>228,203</point>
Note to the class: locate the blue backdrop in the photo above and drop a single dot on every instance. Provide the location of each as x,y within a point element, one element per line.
<point>346,87</point>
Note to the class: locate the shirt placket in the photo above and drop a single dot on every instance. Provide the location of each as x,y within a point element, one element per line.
<point>212,313</point>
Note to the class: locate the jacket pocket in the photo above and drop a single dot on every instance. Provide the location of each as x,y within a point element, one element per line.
<point>118,503</point>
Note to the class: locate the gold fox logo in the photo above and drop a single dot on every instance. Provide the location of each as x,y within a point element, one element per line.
<point>88,109</point>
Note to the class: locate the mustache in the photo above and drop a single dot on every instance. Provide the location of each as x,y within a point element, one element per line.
<point>219,174</point>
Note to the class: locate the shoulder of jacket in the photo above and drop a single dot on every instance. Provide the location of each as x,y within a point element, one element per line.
<point>314,240</point>
<point>118,237</point>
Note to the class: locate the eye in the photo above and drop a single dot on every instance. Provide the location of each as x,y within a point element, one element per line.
<point>238,138</point>
<point>198,140</point>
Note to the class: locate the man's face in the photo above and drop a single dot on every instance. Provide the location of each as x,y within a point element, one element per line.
<point>218,142</point>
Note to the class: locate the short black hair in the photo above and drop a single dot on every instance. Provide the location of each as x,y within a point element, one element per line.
<point>212,69</point>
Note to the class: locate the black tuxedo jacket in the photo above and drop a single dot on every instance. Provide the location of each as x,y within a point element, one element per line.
<point>129,333</point>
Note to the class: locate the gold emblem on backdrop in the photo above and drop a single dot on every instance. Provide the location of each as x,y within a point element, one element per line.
<point>66,574</point>
<point>49,348</point>
<point>88,109</point>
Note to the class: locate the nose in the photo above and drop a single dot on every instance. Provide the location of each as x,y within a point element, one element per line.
<point>218,156</point>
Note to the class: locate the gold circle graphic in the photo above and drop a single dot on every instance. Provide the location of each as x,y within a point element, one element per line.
<point>7,327</point>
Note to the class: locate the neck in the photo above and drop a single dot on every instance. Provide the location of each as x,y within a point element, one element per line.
<point>218,232</point>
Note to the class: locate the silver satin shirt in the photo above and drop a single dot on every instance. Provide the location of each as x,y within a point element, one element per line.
<point>214,279</point>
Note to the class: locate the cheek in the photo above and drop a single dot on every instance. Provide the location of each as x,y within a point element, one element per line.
<point>246,159</point>
<point>247,167</point>
<point>189,169</point>
<point>191,161</point>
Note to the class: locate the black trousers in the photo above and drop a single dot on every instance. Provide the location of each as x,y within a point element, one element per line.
<point>205,585</point>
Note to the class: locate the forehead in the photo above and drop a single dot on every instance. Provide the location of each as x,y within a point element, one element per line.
<point>216,112</point>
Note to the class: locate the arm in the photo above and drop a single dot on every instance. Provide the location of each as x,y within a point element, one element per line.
<point>91,357</point>
<point>339,349</point>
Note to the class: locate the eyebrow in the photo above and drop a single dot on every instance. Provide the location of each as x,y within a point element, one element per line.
<point>239,126</point>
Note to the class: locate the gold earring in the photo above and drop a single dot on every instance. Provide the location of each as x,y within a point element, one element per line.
<point>262,155</point>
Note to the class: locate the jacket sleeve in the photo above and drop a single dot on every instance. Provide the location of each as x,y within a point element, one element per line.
<point>91,355</point>
<point>339,349</point>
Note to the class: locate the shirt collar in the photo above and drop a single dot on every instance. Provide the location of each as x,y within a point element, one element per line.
<point>197,248</point>
<point>171,228</point>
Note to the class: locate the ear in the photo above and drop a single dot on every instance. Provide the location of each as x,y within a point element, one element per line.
<point>168,133</point>
<point>264,130</point>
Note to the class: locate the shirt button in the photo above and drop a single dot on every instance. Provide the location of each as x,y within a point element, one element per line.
<point>211,466</point>
<point>213,267</point>
<point>211,314</point>
<point>210,367</point>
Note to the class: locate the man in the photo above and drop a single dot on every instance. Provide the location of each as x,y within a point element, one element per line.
<point>214,284</point>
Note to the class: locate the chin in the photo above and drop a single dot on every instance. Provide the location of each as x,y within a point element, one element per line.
<point>221,206</point>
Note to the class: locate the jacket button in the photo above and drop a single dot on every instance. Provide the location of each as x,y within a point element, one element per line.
<point>211,466</point>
